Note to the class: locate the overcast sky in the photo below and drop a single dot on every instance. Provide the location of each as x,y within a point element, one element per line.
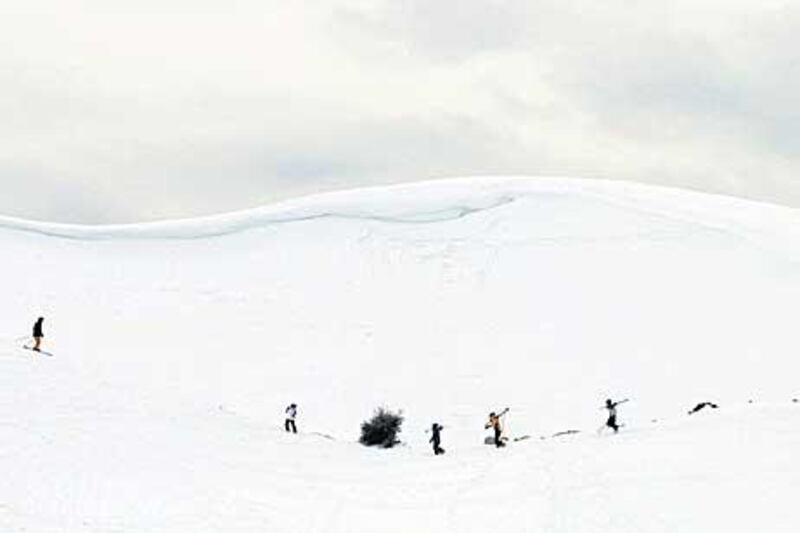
<point>119,111</point>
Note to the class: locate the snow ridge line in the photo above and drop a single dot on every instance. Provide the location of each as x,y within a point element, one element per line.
<point>452,199</point>
<point>234,223</point>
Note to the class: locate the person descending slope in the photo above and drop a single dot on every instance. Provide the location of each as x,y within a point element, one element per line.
<point>38,335</point>
<point>436,439</point>
<point>291,415</point>
<point>494,422</point>
<point>612,414</point>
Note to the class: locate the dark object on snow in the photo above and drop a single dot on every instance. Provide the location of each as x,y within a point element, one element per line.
<point>382,429</point>
<point>436,439</point>
<point>38,334</point>
<point>565,433</point>
<point>291,415</point>
<point>40,351</point>
<point>37,328</point>
<point>703,405</point>
<point>494,422</point>
<point>612,414</point>
<point>794,400</point>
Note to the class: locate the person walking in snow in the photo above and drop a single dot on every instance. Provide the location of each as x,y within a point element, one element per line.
<point>291,415</point>
<point>494,422</point>
<point>38,335</point>
<point>436,439</point>
<point>612,414</point>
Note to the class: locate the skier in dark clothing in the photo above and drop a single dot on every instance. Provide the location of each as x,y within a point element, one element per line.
<point>38,335</point>
<point>612,414</point>
<point>291,414</point>
<point>436,439</point>
<point>494,422</point>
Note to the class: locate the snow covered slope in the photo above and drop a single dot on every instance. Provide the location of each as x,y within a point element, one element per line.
<point>177,345</point>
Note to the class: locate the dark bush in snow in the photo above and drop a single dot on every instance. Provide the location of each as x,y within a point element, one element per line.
<point>381,429</point>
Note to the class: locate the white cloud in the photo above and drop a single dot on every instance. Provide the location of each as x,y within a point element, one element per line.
<point>119,111</point>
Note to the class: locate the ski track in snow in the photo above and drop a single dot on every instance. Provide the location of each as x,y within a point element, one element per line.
<point>177,345</point>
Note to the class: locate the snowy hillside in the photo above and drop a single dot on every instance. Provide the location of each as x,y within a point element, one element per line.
<point>177,346</point>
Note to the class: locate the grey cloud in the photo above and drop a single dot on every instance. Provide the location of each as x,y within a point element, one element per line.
<point>204,176</point>
<point>34,193</point>
<point>441,31</point>
<point>294,99</point>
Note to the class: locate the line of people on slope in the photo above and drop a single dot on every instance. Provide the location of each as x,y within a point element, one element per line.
<point>494,423</point>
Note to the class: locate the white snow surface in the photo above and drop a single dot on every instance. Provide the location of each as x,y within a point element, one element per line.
<point>178,345</point>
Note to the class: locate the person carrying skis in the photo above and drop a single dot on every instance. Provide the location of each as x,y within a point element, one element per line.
<point>436,439</point>
<point>291,415</point>
<point>612,413</point>
<point>494,422</point>
<point>38,335</point>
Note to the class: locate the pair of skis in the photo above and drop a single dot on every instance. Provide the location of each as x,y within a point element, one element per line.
<point>43,352</point>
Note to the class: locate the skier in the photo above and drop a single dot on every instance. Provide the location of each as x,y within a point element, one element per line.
<point>436,439</point>
<point>38,335</point>
<point>494,422</point>
<point>291,414</point>
<point>612,414</point>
